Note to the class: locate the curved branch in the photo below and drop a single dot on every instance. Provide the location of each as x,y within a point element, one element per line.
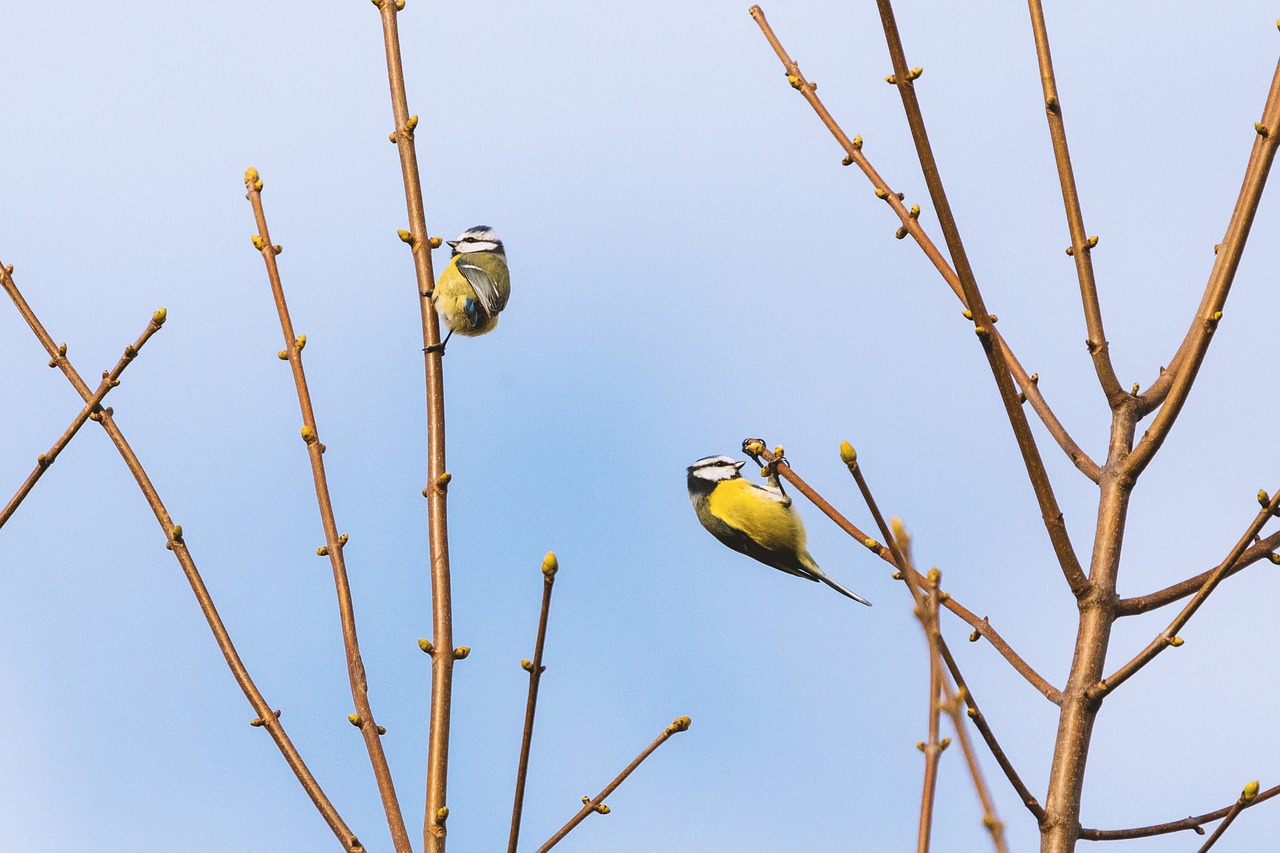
<point>1144,603</point>
<point>1192,823</point>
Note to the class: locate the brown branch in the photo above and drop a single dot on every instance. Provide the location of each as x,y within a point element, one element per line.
<point>927,612</point>
<point>1192,823</point>
<point>437,477</point>
<point>961,280</point>
<point>266,717</point>
<point>1081,245</point>
<point>1169,636</point>
<point>550,565</point>
<point>335,545</point>
<point>949,701</point>
<point>984,729</point>
<point>990,819</point>
<point>90,410</point>
<point>915,581</point>
<point>1144,603</point>
<point>1247,798</point>
<point>1029,386</point>
<point>909,575</point>
<point>1173,386</point>
<point>596,803</point>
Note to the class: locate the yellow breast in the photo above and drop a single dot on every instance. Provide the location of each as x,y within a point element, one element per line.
<point>751,510</point>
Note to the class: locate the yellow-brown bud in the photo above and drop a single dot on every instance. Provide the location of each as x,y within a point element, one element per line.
<point>550,564</point>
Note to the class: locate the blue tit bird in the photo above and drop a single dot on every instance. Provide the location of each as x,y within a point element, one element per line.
<point>475,285</point>
<point>754,520</point>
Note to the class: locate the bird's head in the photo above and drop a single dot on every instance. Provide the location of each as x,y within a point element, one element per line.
<point>479,238</point>
<point>713,469</point>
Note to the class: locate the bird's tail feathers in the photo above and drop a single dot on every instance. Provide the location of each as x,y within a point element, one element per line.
<point>841,589</point>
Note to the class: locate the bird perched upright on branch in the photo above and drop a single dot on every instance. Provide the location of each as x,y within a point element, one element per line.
<point>754,520</point>
<point>475,285</point>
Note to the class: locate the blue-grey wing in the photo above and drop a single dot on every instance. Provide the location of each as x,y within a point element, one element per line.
<point>492,296</point>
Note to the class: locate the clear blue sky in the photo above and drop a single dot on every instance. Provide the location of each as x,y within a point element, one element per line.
<point>691,266</point>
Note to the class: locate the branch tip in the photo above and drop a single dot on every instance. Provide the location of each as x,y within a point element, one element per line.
<point>550,564</point>
<point>848,455</point>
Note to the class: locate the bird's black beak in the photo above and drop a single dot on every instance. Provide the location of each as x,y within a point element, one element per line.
<point>452,244</point>
<point>738,465</point>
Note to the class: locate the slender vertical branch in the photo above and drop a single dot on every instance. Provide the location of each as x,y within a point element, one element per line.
<point>335,545</point>
<point>1081,245</point>
<point>91,409</point>
<point>437,477</point>
<point>596,804</point>
<point>1052,515</point>
<point>266,717</point>
<point>1173,385</point>
<point>1169,636</point>
<point>550,565</point>
<point>995,826</point>
<point>927,612</point>
<point>961,280</point>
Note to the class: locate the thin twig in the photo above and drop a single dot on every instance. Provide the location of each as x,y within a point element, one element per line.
<point>949,701</point>
<point>1052,515</point>
<point>550,565</point>
<point>437,810</point>
<point>596,804</point>
<point>335,545</point>
<point>90,410</point>
<point>1247,798</point>
<point>927,612</point>
<point>1151,601</point>
<point>961,282</point>
<point>909,575</point>
<point>984,728</point>
<point>1173,385</point>
<point>1169,636</point>
<point>266,717</point>
<point>915,581</point>
<point>1192,823</point>
<point>1081,244</point>
<point>995,826</point>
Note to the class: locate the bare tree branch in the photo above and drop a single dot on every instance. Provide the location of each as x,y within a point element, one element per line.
<point>1169,636</point>
<point>266,717</point>
<point>1144,603</point>
<point>927,613</point>
<point>1247,798</point>
<point>437,810</point>
<point>90,411</point>
<point>1192,823</point>
<point>335,545</point>
<point>550,565</point>
<point>961,281</point>
<point>981,626</point>
<point>1173,385</point>
<point>1081,244</point>
<point>596,804</point>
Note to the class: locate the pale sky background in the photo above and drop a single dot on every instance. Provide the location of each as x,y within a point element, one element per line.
<point>691,266</point>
